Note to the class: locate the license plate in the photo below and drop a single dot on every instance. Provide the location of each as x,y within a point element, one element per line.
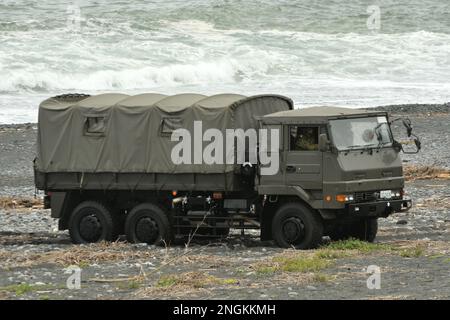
<point>385,194</point>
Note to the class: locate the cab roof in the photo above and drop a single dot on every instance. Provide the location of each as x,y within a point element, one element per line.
<point>319,114</point>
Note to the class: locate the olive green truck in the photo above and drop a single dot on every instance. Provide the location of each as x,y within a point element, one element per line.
<point>156,168</point>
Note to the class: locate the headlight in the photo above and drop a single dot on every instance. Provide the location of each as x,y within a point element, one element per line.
<point>344,197</point>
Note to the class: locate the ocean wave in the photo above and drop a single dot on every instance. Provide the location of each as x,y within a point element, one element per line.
<point>222,71</point>
<point>194,52</point>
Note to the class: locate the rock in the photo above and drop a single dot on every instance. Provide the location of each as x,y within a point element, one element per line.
<point>311,288</point>
<point>402,221</point>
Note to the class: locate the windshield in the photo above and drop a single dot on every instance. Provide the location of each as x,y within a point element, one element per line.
<point>360,133</point>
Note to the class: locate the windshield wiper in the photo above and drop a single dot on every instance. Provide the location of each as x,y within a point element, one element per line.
<point>354,147</point>
<point>363,146</point>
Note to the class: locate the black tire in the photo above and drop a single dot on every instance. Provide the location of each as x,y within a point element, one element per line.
<point>295,225</point>
<point>91,222</point>
<point>365,230</point>
<point>147,223</point>
<point>339,232</point>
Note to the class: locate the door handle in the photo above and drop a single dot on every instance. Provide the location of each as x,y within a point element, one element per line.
<point>290,169</point>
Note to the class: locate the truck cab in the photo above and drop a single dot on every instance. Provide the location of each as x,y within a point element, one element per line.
<point>341,166</point>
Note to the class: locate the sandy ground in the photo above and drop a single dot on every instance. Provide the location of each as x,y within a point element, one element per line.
<point>412,250</point>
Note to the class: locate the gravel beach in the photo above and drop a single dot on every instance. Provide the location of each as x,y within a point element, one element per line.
<point>412,249</point>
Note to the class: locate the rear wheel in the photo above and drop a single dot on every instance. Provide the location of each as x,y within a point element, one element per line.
<point>147,223</point>
<point>91,222</point>
<point>295,225</point>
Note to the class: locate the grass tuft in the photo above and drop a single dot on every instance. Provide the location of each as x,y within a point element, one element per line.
<point>301,264</point>
<point>168,281</point>
<point>320,277</point>
<point>416,252</point>
<point>354,244</point>
<point>23,288</point>
<point>192,280</point>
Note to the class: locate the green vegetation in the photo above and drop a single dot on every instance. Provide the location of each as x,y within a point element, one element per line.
<point>83,264</point>
<point>322,258</point>
<point>193,279</point>
<point>296,262</point>
<point>23,288</point>
<point>331,254</point>
<point>354,244</point>
<point>133,285</point>
<point>320,277</point>
<point>301,264</point>
<point>229,281</point>
<point>167,281</point>
<point>265,269</point>
<point>415,252</point>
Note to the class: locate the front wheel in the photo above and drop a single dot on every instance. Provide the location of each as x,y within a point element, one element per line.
<point>297,226</point>
<point>364,230</point>
<point>147,223</point>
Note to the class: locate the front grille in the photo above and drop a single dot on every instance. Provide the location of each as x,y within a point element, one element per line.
<point>365,196</point>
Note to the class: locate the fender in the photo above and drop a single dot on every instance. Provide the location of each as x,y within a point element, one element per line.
<point>290,191</point>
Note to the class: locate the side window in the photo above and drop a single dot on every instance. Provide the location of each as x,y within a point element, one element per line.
<point>168,125</point>
<point>304,138</point>
<point>95,125</point>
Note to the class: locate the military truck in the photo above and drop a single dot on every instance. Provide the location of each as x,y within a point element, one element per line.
<point>105,163</point>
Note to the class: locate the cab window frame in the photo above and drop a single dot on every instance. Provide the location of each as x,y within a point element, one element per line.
<point>319,130</point>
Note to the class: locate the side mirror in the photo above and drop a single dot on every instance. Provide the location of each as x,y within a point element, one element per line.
<point>324,143</point>
<point>417,143</point>
<point>408,126</point>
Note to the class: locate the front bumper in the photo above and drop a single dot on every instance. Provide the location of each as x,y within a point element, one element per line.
<point>382,208</point>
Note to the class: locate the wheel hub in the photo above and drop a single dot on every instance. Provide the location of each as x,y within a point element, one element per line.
<point>147,230</point>
<point>90,228</point>
<point>293,230</point>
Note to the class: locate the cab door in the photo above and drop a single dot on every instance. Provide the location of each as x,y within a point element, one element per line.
<point>303,160</point>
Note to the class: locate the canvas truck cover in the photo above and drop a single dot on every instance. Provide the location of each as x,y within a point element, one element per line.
<point>128,134</point>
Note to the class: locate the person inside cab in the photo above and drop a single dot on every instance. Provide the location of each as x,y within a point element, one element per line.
<point>304,138</point>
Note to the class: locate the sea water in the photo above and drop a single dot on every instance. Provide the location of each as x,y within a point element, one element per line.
<point>345,53</point>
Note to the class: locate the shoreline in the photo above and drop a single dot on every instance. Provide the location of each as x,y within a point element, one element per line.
<point>416,108</point>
